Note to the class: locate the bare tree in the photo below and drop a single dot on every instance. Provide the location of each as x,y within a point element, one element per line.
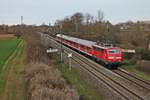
<point>88,18</point>
<point>77,19</point>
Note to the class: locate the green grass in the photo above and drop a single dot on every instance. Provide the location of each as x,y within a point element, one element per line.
<point>7,47</point>
<point>84,89</point>
<point>12,83</point>
<point>133,69</point>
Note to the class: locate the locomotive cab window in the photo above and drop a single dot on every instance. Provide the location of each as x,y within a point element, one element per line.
<point>98,49</point>
<point>113,51</point>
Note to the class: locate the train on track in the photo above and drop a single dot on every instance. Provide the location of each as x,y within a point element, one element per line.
<point>105,54</point>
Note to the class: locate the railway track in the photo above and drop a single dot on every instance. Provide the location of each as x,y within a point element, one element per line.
<point>112,79</point>
<point>133,78</point>
<point>117,87</point>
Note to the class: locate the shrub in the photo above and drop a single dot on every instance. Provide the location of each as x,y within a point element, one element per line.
<point>144,53</point>
<point>143,65</point>
<point>45,83</point>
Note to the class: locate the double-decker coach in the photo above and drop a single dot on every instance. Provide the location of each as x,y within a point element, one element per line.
<point>104,53</point>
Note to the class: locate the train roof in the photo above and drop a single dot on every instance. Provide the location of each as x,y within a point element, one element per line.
<point>86,42</point>
<point>77,40</point>
<point>105,47</point>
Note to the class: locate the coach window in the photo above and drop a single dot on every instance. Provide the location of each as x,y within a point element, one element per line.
<point>88,49</point>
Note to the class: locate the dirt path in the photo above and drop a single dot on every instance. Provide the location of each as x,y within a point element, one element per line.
<point>13,85</point>
<point>7,36</point>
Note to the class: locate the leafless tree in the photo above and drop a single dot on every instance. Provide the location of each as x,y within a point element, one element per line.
<point>77,19</point>
<point>88,18</point>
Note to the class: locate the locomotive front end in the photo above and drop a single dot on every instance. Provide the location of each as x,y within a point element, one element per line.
<point>114,57</point>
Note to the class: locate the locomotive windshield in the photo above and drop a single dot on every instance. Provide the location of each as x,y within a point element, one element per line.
<point>98,49</point>
<point>114,51</point>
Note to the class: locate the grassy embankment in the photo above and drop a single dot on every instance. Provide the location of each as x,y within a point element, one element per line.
<point>133,69</point>
<point>12,57</point>
<point>86,91</point>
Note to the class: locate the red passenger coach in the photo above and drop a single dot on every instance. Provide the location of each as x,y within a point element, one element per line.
<point>103,53</point>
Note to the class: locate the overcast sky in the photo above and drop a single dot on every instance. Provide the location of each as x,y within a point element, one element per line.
<point>45,11</point>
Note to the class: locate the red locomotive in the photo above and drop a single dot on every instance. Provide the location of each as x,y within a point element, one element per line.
<point>104,53</point>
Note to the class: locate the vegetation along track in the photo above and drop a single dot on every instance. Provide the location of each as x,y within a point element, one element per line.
<point>109,79</point>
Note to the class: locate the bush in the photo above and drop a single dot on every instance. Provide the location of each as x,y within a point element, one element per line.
<point>143,65</point>
<point>45,83</point>
<point>144,53</point>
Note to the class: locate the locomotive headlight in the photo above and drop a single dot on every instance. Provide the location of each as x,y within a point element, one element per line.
<point>110,57</point>
<point>118,57</point>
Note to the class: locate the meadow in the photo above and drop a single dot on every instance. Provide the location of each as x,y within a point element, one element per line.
<point>7,47</point>
<point>12,58</point>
